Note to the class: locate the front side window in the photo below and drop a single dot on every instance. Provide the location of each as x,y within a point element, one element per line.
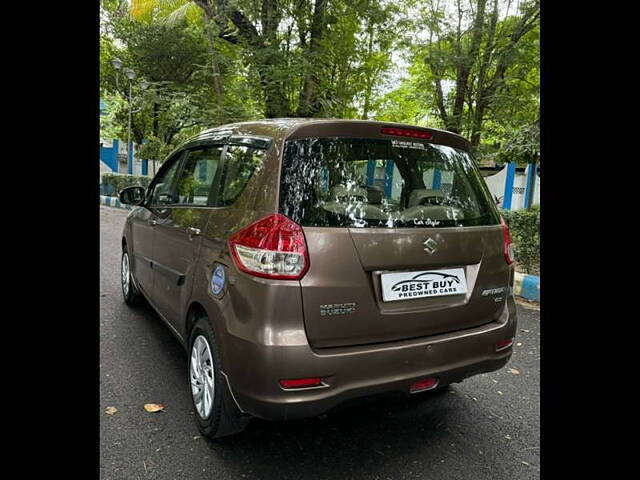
<point>240,163</point>
<point>162,192</point>
<point>197,178</point>
<point>357,182</point>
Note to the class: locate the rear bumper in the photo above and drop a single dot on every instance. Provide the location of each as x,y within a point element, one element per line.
<point>352,372</point>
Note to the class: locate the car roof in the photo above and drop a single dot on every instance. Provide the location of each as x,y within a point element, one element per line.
<point>281,128</point>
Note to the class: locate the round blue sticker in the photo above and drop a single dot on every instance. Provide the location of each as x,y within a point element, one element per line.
<point>217,280</point>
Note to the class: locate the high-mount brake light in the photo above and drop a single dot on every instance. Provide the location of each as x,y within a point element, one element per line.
<point>406,132</point>
<point>272,247</point>
<point>507,245</point>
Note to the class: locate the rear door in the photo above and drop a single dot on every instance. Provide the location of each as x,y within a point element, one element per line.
<point>178,231</point>
<point>403,239</point>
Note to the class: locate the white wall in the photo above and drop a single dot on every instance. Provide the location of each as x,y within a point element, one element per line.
<point>496,187</point>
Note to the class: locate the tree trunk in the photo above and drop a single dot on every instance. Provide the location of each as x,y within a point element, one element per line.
<point>442,110</point>
<point>309,105</point>
<point>465,63</point>
<point>155,122</point>
<point>215,66</point>
<point>369,79</point>
<point>481,99</point>
<point>267,57</point>
<point>210,19</point>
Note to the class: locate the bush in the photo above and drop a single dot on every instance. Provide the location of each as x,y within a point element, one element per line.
<point>113,184</point>
<point>524,228</point>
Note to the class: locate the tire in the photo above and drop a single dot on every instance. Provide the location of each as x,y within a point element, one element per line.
<point>132,295</point>
<point>219,416</point>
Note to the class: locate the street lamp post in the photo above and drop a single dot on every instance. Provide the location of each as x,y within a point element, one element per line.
<point>131,75</point>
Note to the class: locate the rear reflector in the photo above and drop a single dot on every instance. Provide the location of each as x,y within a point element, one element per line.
<point>301,382</point>
<point>406,132</point>
<point>425,384</point>
<point>502,344</point>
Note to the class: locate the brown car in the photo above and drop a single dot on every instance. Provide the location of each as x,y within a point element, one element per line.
<point>303,263</point>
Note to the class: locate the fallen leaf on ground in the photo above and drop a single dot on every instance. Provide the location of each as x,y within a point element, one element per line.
<point>154,407</point>
<point>514,371</point>
<point>110,410</point>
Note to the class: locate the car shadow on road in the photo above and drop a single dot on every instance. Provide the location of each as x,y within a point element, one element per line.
<point>358,441</point>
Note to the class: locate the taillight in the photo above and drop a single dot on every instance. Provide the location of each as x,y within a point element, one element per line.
<point>406,132</point>
<point>508,247</point>
<point>272,247</point>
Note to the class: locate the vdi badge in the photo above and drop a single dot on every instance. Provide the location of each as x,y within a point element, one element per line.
<point>217,280</point>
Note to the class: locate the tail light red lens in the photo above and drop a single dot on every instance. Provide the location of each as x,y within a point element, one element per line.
<point>502,344</point>
<point>272,247</point>
<point>508,247</point>
<point>424,384</point>
<point>301,383</point>
<point>406,132</point>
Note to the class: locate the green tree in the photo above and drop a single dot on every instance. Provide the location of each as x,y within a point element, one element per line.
<point>305,56</point>
<point>477,65</point>
<point>173,58</point>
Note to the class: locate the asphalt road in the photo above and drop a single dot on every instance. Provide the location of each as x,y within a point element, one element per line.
<point>484,428</point>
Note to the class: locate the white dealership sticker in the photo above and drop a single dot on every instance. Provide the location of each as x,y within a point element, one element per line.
<point>404,144</point>
<point>426,283</point>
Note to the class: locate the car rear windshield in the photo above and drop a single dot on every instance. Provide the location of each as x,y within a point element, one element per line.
<point>356,182</point>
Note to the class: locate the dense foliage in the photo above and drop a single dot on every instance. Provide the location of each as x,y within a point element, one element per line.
<point>470,67</point>
<point>524,228</point>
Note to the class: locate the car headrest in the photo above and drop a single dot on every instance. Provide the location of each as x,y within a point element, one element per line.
<point>417,195</point>
<point>340,191</point>
<point>375,194</point>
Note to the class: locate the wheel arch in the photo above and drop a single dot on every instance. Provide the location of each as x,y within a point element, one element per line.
<point>195,311</point>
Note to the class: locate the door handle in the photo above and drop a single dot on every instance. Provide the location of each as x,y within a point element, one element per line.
<point>192,231</point>
<point>153,223</point>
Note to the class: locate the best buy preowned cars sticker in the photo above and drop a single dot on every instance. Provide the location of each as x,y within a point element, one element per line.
<point>428,283</point>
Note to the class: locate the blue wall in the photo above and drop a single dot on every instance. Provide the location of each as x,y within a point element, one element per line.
<point>531,184</point>
<point>508,185</point>
<point>110,155</point>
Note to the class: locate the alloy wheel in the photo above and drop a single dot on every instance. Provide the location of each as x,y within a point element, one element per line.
<point>201,376</point>
<point>125,273</point>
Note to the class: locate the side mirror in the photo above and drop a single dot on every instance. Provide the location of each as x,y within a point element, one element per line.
<point>132,195</point>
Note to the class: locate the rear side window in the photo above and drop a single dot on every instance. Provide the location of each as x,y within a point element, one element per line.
<point>240,163</point>
<point>355,182</point>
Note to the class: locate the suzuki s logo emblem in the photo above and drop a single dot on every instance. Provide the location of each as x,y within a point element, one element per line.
<point>430,246</point>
